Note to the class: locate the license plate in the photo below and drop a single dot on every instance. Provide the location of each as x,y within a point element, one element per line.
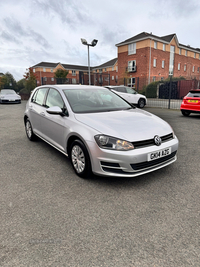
<point>193,101</point>
<point>159,154</point>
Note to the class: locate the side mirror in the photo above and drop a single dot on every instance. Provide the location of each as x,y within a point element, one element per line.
<point>55,111</point>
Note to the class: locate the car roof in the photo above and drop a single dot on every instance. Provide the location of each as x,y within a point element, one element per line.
<point>71,86</point>
<point>195,91</point>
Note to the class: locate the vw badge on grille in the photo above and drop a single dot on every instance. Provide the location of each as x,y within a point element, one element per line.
<point>157,140</point>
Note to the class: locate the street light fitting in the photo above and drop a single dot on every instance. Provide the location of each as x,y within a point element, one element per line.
<point>94,42</point>
<point>84,41</point>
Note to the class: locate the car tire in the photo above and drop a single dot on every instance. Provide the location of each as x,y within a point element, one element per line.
<point>141,103</point>
<point>29,131</point>
<point>185,113</point>
<point>80,159</point>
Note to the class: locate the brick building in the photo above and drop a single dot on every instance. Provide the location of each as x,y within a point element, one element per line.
<point>104,74</point>
<point>151,58</point>
<point>141,59</point>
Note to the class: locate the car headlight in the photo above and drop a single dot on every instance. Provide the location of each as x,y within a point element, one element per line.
<point>108,142</point>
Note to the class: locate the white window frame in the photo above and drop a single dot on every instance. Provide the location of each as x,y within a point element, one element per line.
<point>131,65</point>
<point>194,55</point>
<point>73,73</point>
<point>73,80</point>
<point>51,70</point>
<point>185,67</point>
<point>154,62</point>
<point>34,70</point>
<point>193,68</point>
<point>179,66</point>
<point>132,49</point>
<point>186,52</point>
<point>163,64</point>
<point>155,44</point>
<point>180,50</point>
<point>100,70</point>
<point>131,82</point>
<point>52,79</point>
<point>44,69</point>
<point>113,77</point>
<point>164,47</point>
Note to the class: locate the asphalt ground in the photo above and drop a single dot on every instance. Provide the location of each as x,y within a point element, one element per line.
<point>51,217</point>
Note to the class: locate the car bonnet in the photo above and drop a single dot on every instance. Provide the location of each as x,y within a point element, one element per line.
<point>131,125</point>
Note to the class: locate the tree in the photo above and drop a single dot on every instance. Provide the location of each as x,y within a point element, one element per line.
<point>60,73</point>
<point>8,82</point>
<point>30,80</point>
<point>21,84</point>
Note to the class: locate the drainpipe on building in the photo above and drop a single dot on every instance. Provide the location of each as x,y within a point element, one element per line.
<point>149,63</point>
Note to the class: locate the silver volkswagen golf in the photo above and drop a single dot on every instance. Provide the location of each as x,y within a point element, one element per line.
<point>99,131</point>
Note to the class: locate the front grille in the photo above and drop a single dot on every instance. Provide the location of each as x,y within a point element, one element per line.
<point>150,142</point>
<point>148,164</point>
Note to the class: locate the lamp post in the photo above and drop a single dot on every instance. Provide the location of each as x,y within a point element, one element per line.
<point>84,42</point>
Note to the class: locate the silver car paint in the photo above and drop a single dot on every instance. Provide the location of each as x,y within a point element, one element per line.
<point>131,125</point>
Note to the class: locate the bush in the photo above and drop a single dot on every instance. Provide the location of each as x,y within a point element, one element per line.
<point>151,90</point>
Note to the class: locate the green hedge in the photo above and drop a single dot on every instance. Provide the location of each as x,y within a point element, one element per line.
<point>151,90</point>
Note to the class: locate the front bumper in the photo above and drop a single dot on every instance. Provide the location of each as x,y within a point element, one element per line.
<point>130,163</point>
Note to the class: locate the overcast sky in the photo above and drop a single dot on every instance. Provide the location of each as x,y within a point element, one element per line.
<point>32,31</point>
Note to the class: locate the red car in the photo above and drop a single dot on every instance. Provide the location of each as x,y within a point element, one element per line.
<point>191,102</point>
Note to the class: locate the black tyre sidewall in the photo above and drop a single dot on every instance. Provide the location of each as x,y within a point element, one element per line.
<point>185,113</point>
<point>141,100</point>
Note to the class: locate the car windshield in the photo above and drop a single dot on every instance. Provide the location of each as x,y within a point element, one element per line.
<point>193,94</point>
<point>94,100</point>
<point>8,92</point>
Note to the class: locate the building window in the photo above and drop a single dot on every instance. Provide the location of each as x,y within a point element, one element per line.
<point>198,69</point>
<point>179,66</point>
<point>131,82</point>
<point>155,44</point>
<point>154,62</point>
<point>105,70</point>
<point>186,53</point>
<point>164,47</point>
<point>199,56</point>
<point>112,68</point>
<point>52,79</point>
<point>132,49</point>
<point>185,67</point>
<point>194,55</point>
<point>73,80</point>
<point>45,79</point>
<point>193,69</point>
<point>113,77</point>
<point>131,65</point>
<point>163,64</point>
<point>73,73</point>
<point>51,70</point>
<point>116,68</point>
<point>100,70</point>
<point>180,51</point>
<point>33,70</point>
<point>154,78</point>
